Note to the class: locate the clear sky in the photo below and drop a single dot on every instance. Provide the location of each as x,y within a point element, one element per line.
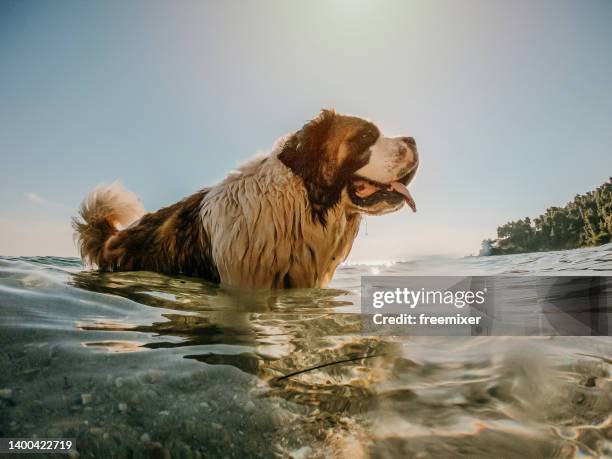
<point>510,102</point>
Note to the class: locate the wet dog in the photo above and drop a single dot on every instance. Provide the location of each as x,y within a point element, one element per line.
<point>284,220</point>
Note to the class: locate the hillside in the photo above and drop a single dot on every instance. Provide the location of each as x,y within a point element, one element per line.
<point>583,222</point>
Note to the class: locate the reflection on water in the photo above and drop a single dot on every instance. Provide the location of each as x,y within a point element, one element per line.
<point>145,364</point>
<point>116,346</point>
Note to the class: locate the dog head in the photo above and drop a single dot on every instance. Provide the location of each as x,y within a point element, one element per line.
<point>345,160</point>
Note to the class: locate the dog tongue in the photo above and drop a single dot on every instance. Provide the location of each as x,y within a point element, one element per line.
<point>401,189</point>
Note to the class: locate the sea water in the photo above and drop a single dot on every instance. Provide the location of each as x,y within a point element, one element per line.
<point>147,365</point>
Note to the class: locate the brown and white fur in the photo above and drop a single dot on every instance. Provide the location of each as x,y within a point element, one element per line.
<point>284,220</point>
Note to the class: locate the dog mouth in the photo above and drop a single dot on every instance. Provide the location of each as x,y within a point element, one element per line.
<point>365,188</point>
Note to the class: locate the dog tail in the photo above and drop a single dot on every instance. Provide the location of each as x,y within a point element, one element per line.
<point>102,211</point>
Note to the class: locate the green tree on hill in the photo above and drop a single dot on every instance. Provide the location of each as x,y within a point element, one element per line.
<point>585,221</point>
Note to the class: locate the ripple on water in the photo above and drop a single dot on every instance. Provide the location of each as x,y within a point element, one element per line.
<point>131,362</point>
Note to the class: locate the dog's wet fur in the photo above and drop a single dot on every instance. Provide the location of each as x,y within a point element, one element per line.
<point>305,189</point>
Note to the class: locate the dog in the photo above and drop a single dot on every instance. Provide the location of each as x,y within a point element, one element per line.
<point>283,220</point>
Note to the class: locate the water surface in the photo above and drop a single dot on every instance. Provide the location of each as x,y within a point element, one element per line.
<point>141,365</point>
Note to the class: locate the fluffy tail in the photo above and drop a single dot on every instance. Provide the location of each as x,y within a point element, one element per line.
<point>106,207</point>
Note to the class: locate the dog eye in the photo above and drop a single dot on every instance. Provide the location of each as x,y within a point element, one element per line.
<point>360,138</point>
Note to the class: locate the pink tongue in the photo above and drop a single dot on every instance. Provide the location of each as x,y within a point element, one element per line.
<point>401,189</point>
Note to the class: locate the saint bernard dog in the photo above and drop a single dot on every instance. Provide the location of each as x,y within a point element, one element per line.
<point>284,220</point>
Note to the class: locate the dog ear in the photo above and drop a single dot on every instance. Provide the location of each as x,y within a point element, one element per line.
<point>303,152</point>
<point>313,134</point>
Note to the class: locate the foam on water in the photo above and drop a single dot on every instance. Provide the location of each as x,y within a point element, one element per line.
<point>139,363</point>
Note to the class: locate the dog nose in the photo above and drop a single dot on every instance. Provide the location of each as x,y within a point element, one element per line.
<point>407,154</point>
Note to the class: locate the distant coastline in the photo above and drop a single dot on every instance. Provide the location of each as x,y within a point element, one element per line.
<point>586,221</point>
